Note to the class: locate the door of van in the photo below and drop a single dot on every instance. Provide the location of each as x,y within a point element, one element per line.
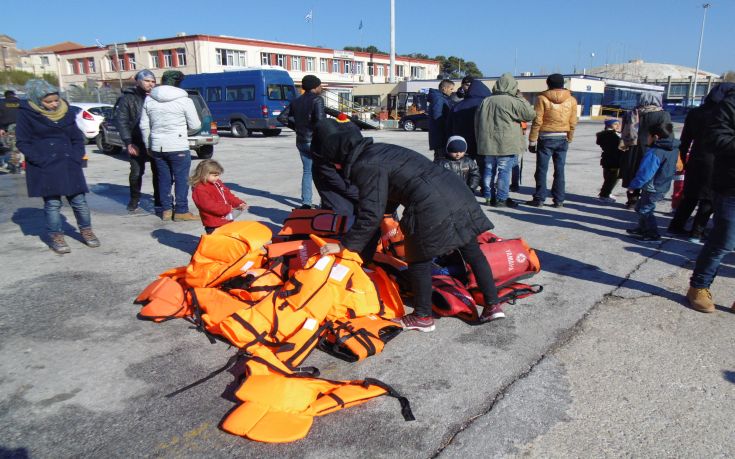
<point>215,98</point>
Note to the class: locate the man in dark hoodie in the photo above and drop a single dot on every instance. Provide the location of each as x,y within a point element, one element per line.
<point>720,135</point>
<point>551,133</point>
<point>128,109</point>
<point>439,107</point>
<point>461,120</point>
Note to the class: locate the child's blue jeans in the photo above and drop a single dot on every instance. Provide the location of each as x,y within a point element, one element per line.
<point>645,207</point>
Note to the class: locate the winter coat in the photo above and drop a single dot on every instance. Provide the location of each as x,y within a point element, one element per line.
<point>466,168</point>
<point>631,160</point>
<point>128,110</point>
<point>214,201</point>
<point>657,167</point>
<point>499,117</point>
<point>167,113</point>
<point>9,111</point>
<point>53,152</point>
<point>461,119</point>
<point>302,114</point>
<point>556,111</point>
<point>335,192</point>
<point>609,141</point>
<point>439,108</point>
<point>440,213</point>
<point>722,131</point>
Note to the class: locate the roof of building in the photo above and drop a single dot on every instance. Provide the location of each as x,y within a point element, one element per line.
<point>63,46</point>
<point>7,38</point>
<point>639,71</point>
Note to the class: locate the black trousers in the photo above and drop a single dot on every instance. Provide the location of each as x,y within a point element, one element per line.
<point>685,209</point>
<point>137,170</point>
<point>420,275</point>
<point>610,177</point>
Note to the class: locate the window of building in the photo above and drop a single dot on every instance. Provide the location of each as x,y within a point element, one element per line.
<point>121,62</point>
<point>90,65</point>
<point>367,101</point>
<point>70,66</point>
<point>381,70</point>
<point>295,63</point>
<point>281,60</point>
<point>181,57</point>
<point>359,68</point>
<point>265,58</point>
<point>371,68</point>
<point>348,67</point>
<point>240,93</point>
<point>323,65</point>
<point>155,62</point>
<point>44,60</point>
<point>168,60</point>
<point>132,65</point>
<point>417,72</point>
<point>335,65</point>
<point>309,64</point>
<point>231,57</point>
<point>400,71</point>
<point>214,94</point>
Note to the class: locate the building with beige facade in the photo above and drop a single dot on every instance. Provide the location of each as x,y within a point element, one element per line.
<point>44,60</point>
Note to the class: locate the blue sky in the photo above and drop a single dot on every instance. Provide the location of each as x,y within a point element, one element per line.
<point>545,35</point>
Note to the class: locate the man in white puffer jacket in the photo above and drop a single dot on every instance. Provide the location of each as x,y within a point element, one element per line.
<point>168,114</point>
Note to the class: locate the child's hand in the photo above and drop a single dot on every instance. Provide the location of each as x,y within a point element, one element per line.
<point>243,206</point>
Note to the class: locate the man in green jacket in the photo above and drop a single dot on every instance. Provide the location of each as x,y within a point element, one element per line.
<point>500,137</point>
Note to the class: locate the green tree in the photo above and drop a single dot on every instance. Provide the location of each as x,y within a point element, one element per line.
<point>456,67</point>
<point>367,49</point>
<point>19,77</point>
<point>729,76</point>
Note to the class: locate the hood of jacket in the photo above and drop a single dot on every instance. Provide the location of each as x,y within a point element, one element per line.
<point>136,91</point>
<point>667,144</point>
<point>337,142</point>
<point>557,96</point>
<point>649,98</point>
<point>717,94</point>
<point>167,93</point>
<point>506,85</point>
<point>477,90</point>
<point>435,95</point>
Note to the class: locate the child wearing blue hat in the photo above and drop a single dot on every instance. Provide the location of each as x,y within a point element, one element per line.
<point>609,141</point>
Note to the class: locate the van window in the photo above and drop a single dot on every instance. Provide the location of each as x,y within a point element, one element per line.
<point>289,92</point>
<point>214,94</point>
<point>240,93</point>
<point>275,92</point>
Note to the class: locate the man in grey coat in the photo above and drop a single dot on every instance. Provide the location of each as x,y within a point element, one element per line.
<point>500,138</point>
<point>167,115</point>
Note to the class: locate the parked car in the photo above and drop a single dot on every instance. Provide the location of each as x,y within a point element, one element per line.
<point>245,101</point>
<point>413,122</point>
<point>90,116</point>
<point>201,141</point>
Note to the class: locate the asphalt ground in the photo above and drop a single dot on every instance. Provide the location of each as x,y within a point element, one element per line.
<point>607,361</point>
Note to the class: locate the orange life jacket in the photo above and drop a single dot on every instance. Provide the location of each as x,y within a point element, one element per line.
<point>164,298</point>
<point>391,237</point>
<point>300,223</point>
<point>356,339</point>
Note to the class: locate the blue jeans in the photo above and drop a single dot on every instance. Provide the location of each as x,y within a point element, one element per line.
<point>52,207</point>
<point>173,168</point>
<point>550,148</point>
<point>304,152</point>
<point>721,241</point>
<point>645,207</point>
<point>496,177</point>
<point>516,174</point>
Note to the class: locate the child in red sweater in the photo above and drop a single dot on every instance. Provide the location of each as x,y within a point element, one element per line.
<point>213,199</point>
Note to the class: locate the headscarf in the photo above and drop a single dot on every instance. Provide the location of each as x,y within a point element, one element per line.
<point>143,74</point>
<point>650,99</point>
<point>39,89</point>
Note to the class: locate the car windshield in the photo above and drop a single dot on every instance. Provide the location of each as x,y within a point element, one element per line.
<point>199,103</point>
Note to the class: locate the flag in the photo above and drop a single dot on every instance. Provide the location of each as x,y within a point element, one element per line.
<point>360,27</point>
<point>309,16</point>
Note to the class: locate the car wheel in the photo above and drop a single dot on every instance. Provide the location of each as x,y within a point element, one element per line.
<point>106,148</point>
<point>271,132</point>
<point>205,151</point>
<point>238,129</point>
<point>409,126</point>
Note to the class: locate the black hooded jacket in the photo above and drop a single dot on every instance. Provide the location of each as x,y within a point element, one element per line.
<point>440,212</point>
<point>128,109</point>
<point>721,130</point>
<point>302,115</point>
<point>462,117</point>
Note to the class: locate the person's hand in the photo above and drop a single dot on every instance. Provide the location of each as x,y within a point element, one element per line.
<point>330,248</point>
<point>243,206</point>
<point>133,150</point>
<point>532,147</point>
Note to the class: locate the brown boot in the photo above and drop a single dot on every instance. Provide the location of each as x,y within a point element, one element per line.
<point>89,238</point>
<point>186,217</point>
<point>58,244</point>
<point>700,299</point>
<point>167,215</point>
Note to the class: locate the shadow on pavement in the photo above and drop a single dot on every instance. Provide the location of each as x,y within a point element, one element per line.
<point>279,198</point>
<point>17,453</point>
<point>182,241</point>
<point>32,222</point>
<point>729,376</point>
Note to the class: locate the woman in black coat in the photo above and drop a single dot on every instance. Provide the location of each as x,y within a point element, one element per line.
<point>53,146</point>
<point>440,213</point>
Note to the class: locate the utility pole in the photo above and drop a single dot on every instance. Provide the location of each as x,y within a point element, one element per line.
<point>117,64</point>
<point>392,67</point>
<point>699,53</point>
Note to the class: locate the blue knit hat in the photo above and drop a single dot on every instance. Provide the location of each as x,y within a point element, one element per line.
<point>610,121</point>
<point>456,144</point>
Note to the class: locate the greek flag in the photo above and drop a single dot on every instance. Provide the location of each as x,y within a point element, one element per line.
<point>360,27</point>
<point>309,16</point>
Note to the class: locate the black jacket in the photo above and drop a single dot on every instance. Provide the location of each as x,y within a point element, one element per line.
<point>8,111</point>
<point>465,167</point>
<point>461,119</point>
<point>335,192</point>
<point>722,131</point>
<point>128,109</point>
<point>302,115</point>
<point>439,108</point>
<point>609,141</point>
<point>440,213</point>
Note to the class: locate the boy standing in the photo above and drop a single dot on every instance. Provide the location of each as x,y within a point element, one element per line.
<point>609,141</point>
<point>456,161</point>
<point>654,178</point>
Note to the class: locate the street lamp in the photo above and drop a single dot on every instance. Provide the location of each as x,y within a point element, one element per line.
<point>699,53</point>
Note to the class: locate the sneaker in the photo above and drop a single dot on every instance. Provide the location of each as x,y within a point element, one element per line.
<point>490,202</point>
<point>534,203</point>
<point>308,206</point>
<point>167,215</point>
<point>414,322</point>
<point>58,244</point>
<point>648,237</point>
<point>700,299</point>
<point>500,204</point>
<point>515,188</point>
<point>511,203</point>
<point>89,237</point>
<point>558,204</point>
<point>634,231</point>
<point>607,199</point>
<point>677,231</point>
<point>132,205</point>
<point>490,313</point>
<point>186,217</point>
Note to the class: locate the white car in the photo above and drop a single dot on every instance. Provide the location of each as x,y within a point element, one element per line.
<point>90,116</point>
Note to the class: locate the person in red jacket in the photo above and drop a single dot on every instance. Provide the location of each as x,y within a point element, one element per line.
<point>213,199</point>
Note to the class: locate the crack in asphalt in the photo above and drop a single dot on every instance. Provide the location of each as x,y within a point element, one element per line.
<point>562,340</point>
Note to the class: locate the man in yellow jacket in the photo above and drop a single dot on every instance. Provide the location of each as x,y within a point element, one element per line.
<point>551,132</point>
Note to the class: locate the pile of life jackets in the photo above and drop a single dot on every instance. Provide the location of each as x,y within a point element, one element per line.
<point>276,298</point>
